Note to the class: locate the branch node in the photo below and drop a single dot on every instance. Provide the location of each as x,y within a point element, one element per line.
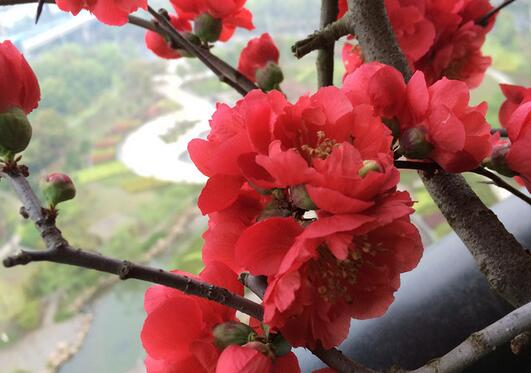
<point>125,270</point>
<point>23,212</point>
<point>521,344</point>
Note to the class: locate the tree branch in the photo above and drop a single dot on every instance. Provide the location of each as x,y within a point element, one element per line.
<point>325,56</point>
<point>58,250</point>
<point>432,167</point>
<point>480,344</point>
<point>323,37</point>
<point>483,21</point>
<point>499,255</point>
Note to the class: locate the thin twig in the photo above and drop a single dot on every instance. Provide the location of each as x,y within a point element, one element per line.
<point>483,21</point>
<point>333,357</point>
<point>58,250</point>
<point>323,37</point>
<point>325,55</point>
<point>432,167</point>
<point>481,343</point>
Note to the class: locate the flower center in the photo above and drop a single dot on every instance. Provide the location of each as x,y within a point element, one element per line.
<point>322,149</point>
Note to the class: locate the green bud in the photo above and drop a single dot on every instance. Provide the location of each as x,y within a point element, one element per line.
<point>300,198</point>
<point>269,77</point>
<point>414,143</point>
<point>58,188</point>
<point>369,166</point>
<point>15,132</point>
<point>497,160</point>
<point>207,28</point>
<point>280,346</point>
<point>232,333</point>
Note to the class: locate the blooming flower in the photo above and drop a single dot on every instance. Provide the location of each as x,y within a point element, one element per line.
<point>160,45</point>
<point>177,333</point>
<point>259,62</point>
<point>111,12</point>
<point>515,96</point>
<point>19,85</point>
<point>215,19</point>
<point>250,359</point>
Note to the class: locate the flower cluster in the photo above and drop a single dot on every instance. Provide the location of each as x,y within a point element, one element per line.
<point>441,38</point>
<point>305,194</point>
<point>184,333</point>
<point>510,157</point>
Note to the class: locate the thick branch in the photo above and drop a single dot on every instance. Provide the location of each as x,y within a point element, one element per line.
<point>499,255</point>
<point>325,56</point>
<point>58,250</point>
<point>323,37</point>
<point>482,343</point>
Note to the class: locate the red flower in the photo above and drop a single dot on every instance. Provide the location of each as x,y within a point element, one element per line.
<point>415,34</point>
<point>519,131</point>
<point>111,12</point>
<point>20,88</point>
<point>323,275</point>
<point>515,96</point>
<point>162,47</point>
<point>246,359</point>
<point>458,133</point>
<point>352,58</point>
<point>258,53</point>
<point>342,8</point>
<point>177,333</point>
<point>231,13</point>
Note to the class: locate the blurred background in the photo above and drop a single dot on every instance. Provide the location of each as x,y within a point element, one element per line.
<point>117,120</point>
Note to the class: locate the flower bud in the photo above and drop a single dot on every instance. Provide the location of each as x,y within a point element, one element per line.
<point>300,198</point>
<point>58,188</point>
<point>269,77</point>
<point>414,143</point>
<point>231,333</point>
<point>15,132</point>
<point>207,28</point>
<point>369,166</point>
<point>497,160</point>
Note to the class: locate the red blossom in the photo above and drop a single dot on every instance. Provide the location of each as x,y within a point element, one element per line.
<point>515,96</point>
<point>20,88</point>
<point>111,12</point>
<point>245,359</point>
<point>352,58</point>
<point>163,47</point>
<point>257,54</point>
<point>519,131</point>
<point>231,13</point>
<point>177,333</point>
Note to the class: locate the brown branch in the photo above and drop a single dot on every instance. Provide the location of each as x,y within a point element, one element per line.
<point>333,357</point>
<point>483,21</point>
<point>325,55</point>
<point>58,250</point>
<point>482,343</point>
<point>323,37</point>
<point>431,167</point>
<point>498,254</point>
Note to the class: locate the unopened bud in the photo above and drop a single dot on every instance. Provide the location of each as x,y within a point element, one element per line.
<point>414,143</point>
<point>369,166</point>
<point>280,346</point>
<point>497,160</point>
<point>231,333</point>
<point>207,28</point>
<point>269,77</point>
<point>58,188</point>
<point>15,132</point>
<point>300,198</point>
